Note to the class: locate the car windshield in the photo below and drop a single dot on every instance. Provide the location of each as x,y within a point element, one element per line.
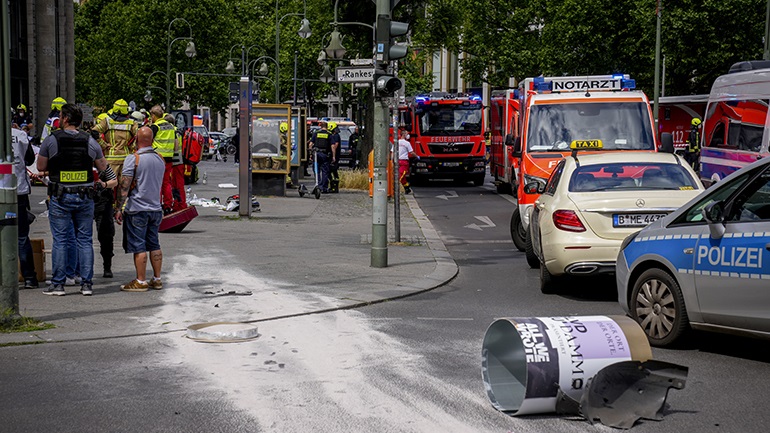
<point>631,176</point>
<point>344,134</point>
<point>449,119</point>
<point>619,125</point>
<point>201,130</point>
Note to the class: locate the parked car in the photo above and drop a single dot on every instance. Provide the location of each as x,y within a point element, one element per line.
<point>705,266</point>
<point>222,143</point>
<point>592,202</point>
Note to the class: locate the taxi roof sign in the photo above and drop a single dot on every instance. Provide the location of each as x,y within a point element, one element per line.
<point>586,144</point>
<point>588,83</point>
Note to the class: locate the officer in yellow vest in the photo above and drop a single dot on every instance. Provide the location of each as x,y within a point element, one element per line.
<point>118,132</point>
<point>163,143</point>
<point>52,123</point>
<point>693,144</point>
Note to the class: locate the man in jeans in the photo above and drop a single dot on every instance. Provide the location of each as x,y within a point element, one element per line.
<point>23,155</point>
<point>139,204</point>
<point>69,156</point>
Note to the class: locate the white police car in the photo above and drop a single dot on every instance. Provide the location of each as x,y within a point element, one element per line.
<point>706,265</point>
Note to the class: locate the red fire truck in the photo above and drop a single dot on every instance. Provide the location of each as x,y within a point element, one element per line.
<point>675,114</point>
<point>504,127</point>
<point>447,133</point>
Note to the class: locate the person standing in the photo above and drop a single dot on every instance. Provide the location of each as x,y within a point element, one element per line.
<point>69,156</point>
<point>164,138</point>
<point>405,151</point>
<point>21,117</point>
<point>321,142</point>
<point>139,206</point>
<point>22,157</point>
<point>237,142</point>
<point>693,145</point>
<point>118,131</point>
<point>334,174</point>
<point>179,197</point>
<point>354,143</point>
<point>53,122</point>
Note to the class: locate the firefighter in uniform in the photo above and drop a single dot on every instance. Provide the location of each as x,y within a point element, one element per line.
<point>322,144</point>
<point>334,175</point>
<point>52,123</point>
<point>69,156</point>
<point>119,132</point>
<point>177,172</point>
<point>21,117</point>
<point>163,142</point>
<point>284,152</point>
<point>693,145</point>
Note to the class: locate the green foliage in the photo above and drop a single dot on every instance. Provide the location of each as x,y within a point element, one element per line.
<point>10,322</point>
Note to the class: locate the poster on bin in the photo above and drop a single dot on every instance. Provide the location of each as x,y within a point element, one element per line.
<point>568,351</point>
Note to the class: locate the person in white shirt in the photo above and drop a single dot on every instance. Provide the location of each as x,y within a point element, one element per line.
<point>405,151</point>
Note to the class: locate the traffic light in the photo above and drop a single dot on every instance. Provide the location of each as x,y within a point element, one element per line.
<point>386,85</point>
<point>386,31</point>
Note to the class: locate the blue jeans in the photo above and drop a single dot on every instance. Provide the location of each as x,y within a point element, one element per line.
<point>71,270</point>
<point>70,213</point>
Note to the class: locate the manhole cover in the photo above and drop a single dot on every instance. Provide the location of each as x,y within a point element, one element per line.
<point>222,332</point>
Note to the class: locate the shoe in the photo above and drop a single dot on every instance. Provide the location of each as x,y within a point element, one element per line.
<point>135,286</point>
<point>407,190</point>
<point>155,283</point>
<point>76,281</point>
<point>31,284</point>
<point>86,290</point>
<point>107,273</point>
<point>54,289</point>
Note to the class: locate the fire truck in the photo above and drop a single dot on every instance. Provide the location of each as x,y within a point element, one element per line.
<point>675,114</point>
<point>555,111</point>
<point>447,133</point>
<point>504,126</point>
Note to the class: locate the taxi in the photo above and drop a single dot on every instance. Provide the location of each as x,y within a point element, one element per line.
<point>592,202</point>
<point>705,266</point>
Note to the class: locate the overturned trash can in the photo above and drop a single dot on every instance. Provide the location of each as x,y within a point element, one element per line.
<point>526,361</point>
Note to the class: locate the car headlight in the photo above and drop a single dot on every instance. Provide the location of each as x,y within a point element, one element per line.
<point>627,241</point>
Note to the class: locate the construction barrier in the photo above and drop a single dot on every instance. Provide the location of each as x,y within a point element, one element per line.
<point>525,361</point>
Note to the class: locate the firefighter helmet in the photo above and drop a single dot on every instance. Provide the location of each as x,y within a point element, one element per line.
<point>332,126</point>
<point>120,107</point>
<point>284,127</point>
<point>695,122</point>
<point>21,107</point>
<point>57,103</point>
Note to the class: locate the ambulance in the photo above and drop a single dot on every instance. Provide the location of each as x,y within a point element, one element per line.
<point>555,111</point>
<point>503,127</point>
<point>675,114</point>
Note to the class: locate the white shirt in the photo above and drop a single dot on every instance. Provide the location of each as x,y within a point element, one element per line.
<point>404,149</point>
<point>20,143</point>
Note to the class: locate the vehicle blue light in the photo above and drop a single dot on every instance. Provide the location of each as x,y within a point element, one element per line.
<point>542,86</point>
<point>629,84</point>
<point>617,76</point>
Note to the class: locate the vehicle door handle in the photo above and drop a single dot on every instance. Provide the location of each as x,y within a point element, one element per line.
<point>540,206</point>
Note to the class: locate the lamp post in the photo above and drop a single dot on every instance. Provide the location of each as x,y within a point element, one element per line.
<point>304,32</point>
<point>190,51</point>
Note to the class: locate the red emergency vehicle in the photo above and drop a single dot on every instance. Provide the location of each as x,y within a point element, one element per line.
<point>504,127</point>
<point>447,133</point>
<point>556,111</point>
<point>675,114</point>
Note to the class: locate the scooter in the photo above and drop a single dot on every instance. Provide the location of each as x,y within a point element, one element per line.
<point>316,189</point>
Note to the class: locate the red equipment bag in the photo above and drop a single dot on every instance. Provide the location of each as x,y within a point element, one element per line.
<point>192,147</point>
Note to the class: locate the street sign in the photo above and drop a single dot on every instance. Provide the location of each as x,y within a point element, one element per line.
<point>361,62</point>
<point>355,74</point>
<point>360,85</point>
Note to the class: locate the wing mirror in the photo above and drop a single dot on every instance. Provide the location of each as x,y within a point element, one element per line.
<point>714,214</point>
<point>534,188</point>
<point>666,142</point>
<point>516,147</point>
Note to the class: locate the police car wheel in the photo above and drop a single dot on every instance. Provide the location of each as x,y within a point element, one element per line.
<point>518,234</point>
<point>657,305</point>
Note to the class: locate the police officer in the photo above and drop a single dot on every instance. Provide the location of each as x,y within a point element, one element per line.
<point>52,123</point>
<point>334,175</point>
<point>693,145</point>
<point>164,142</point>
<point>321,142</point>
<point>69,156</point>
<point>118,131</point>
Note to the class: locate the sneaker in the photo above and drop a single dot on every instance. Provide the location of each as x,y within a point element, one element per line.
<point>54,289</point>
<point>31,284</point>
<point>86,290</point>
<point>135,286</point>
<point>107,273</point>
<point>75,281</point>
<point>155,283</point>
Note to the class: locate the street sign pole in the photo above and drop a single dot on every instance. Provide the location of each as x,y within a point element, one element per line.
<point>244,152</point>
<point>379,253</point>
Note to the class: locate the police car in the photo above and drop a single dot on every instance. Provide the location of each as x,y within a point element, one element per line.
<point>705,266</point>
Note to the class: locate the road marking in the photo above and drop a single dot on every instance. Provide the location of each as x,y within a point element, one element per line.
<point>451,194</point>
<point>446,318</point>
<point>487,223</point>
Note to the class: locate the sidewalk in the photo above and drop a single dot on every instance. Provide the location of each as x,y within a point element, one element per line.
<point>296,256</point>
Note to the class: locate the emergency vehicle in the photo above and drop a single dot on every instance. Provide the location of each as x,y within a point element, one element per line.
<point>504,126</point>
<point>675,114</point>
<point>555,111</point>
<point>734,131</point>
<point>447,133</point>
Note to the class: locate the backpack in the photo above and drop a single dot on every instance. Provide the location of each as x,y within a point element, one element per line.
<point>192,147</point>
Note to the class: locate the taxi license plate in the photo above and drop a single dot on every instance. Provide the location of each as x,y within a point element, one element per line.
<point>635,219</point>
<point>451,164</point>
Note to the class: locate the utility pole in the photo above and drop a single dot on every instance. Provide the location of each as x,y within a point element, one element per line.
<point>9,231</point>
<point>766,54</point>
<point>656,90</point>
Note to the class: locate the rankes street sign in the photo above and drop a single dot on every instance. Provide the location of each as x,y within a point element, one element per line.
<point>355,74</point>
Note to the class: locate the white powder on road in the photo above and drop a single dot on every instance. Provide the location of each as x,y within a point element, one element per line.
<point>331,372</point>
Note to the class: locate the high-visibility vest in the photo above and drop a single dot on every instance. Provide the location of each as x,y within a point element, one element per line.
<point>119,134</point>
<point>164,139</point>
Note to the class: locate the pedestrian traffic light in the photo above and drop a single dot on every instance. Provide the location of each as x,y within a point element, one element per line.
<point>386,31</point>
<point>386,85</point>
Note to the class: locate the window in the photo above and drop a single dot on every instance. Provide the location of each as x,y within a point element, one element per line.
<point>753,202</point>
<point>718,136</point>
<point>553,181</point>
<point>723,192</point>
<point>736,124</point>
<point>631,176</point>
<point>449,119</point>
